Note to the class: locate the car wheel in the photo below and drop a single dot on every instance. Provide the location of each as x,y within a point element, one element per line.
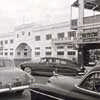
<point>28,70</point>
<point>19,92</point>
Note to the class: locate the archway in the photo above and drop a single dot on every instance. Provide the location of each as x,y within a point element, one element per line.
<point>23,52</point>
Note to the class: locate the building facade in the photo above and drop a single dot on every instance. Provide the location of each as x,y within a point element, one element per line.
<point>31,41</point>
<point>89,30</point>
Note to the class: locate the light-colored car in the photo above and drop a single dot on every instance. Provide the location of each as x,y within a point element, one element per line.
<point>13,79</point>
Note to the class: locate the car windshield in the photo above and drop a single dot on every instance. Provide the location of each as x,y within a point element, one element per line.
<point>6,63</point>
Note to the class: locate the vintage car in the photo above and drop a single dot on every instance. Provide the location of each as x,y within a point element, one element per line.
<point>48,65</point>
<point>69,88</point>
<point>13,79</point>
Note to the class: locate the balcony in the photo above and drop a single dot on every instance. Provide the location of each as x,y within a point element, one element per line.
<point>64,41</point>
<point>90,37</point>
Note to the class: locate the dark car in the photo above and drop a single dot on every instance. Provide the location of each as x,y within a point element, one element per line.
<point>69,88</point>
<point>13,79</point>
<point>48,65</point>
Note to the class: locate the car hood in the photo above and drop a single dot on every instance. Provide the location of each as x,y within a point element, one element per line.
<point>61,85</point>
<point>63,82</point>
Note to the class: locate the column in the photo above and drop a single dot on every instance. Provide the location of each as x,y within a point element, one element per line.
<point>81,14</point>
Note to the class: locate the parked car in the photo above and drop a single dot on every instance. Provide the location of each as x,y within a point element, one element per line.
<point>13,79</point>
<point>48,65</point>
<point>69,88</point>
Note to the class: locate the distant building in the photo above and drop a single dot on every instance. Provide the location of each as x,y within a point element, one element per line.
<point>33,42</point>
<point>89,30</point>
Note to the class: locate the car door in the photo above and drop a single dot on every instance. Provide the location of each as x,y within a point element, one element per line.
<point>45,67</point>
<point>63,68</point>
<point>89,88</point>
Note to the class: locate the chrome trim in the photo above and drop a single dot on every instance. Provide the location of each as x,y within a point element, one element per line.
<point>20,87</point>
<point>83,89</point>
<point>4,90</point>
<point>46,95</point>
<point>14,88</point>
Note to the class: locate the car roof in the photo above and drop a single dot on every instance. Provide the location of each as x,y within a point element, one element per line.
<point>64,59</point>
<point>54,58</point>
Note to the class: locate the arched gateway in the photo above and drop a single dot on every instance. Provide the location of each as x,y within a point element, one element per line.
<point>23,53</point>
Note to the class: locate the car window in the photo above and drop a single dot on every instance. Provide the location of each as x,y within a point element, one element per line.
<point>50,60</point>
<point>63,62</point>
<point>57,61</point>
<point>43,60</point>
<point>92,82</point>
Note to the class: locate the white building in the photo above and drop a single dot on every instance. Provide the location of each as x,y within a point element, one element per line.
<point>34,41</point>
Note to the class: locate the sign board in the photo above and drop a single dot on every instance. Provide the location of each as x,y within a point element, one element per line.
<point>90,37</point>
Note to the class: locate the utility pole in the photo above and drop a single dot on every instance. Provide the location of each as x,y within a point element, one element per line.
<point>80,29</point>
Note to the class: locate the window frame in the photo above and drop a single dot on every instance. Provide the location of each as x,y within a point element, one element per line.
<point>11,41</point>
<point>60,53</point>
<point>86,90</point>
<point>61,35</point>
<point>6,41</point>
<point>48,36</point>
<point>37,38</point>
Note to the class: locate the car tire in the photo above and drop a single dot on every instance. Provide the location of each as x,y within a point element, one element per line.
<point>19,92</point>
<point>28,70</point>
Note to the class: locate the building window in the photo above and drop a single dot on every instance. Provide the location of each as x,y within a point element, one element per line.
<point>6,49</point>
<point>37,38</point>
<point>25,49</point>
<point>60,53</point>
<point>60,47</point>
<point>1,53</point>
<point>17,35</point>
<point>37,54</point>
<point>69,46</point>
<point>71,52</point>
<point>18,53</point>
<point>1,42</point>
<point>29,33</point>
<point>6,53</point>
<point>23,32</point>
<point>11,48</point>
<point>11,41</point>
<point>37,48</point>
<point>25,53</point>
<point>71,34</point>
<point>47,47</point>
<point>48,36</point>
<point>48,53</point>
<point>60,35</point>
<point>1,49</point>
<point>11,53</point>
<point>6,41</point>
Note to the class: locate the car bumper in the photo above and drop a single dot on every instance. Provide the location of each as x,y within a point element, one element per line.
<point>11,89</point>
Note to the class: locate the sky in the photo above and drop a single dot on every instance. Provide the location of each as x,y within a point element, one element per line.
<point>17,12</point>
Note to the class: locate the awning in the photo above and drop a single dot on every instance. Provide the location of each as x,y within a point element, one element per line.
<point>89,4</point>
